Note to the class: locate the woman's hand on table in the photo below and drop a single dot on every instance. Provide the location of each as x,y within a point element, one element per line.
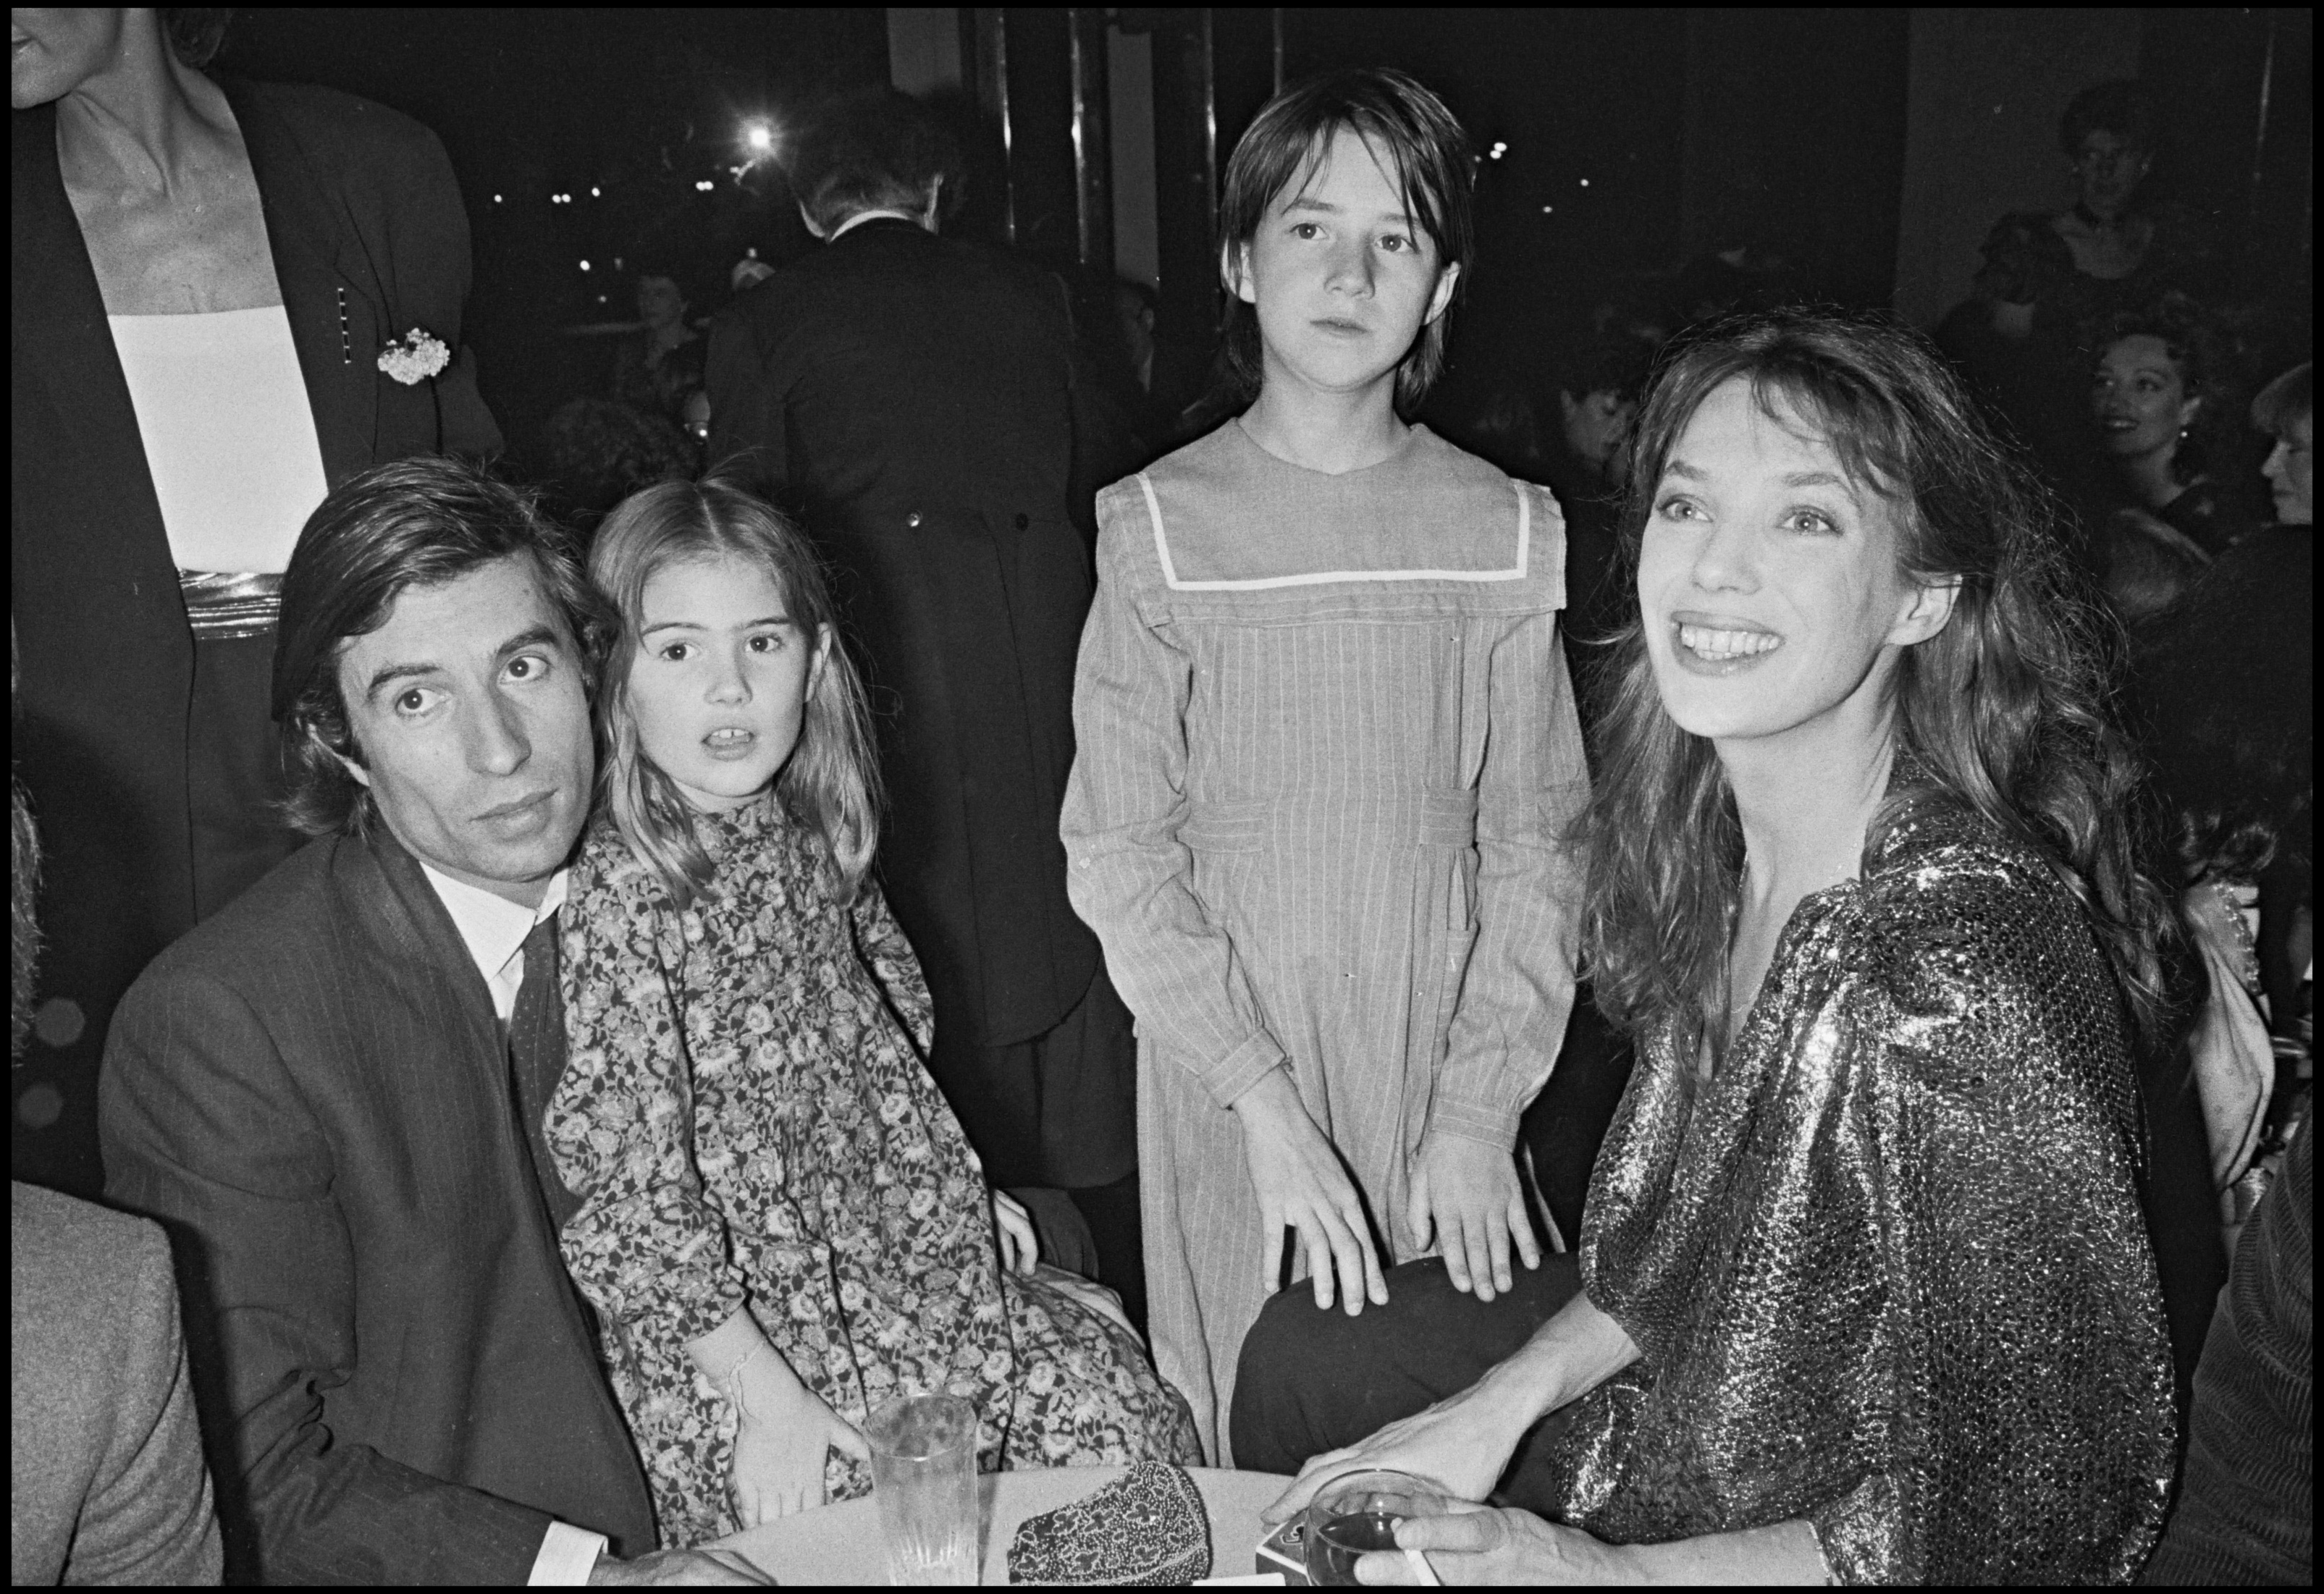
<point>1468,1193</point>
<point>780,1443</point>
<point>1296,1175</point>
<point>1462,1442</point>
<point>1021,1248</point>
<point>1481,1544</point>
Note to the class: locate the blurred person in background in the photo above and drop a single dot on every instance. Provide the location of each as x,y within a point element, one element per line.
<point>227,297</point>
<point>2166,425</point>
<point>106,1483</point>
<point>2047,273</point>
<point>1597,388</point>
<point>659,366</point>
<point>2224,701</point>
<point>593,453</point>
<point>916,401</point>
<point>2151,565</point>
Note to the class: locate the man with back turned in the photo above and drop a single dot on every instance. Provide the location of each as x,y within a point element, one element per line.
<point>914,399</point>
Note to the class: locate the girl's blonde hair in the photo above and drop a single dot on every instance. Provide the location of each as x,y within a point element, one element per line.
<point>831,781</point>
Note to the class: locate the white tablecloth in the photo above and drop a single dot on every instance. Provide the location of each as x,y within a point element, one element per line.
<point>840,1543</point>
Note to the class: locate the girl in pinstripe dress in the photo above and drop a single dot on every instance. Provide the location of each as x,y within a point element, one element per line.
<point>1327,750</point>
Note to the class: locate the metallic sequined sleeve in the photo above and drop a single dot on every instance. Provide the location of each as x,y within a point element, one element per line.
<point>1887,1268</point>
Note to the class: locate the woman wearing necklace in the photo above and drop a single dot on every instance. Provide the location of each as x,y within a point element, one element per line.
<point>226,298</point>
<point>2048,274</point>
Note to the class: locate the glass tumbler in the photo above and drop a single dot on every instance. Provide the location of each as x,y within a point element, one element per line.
<point>1356,1514</point>
<point>924,1476</point>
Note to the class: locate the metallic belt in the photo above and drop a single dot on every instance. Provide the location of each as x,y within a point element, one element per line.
<point>226,604</point>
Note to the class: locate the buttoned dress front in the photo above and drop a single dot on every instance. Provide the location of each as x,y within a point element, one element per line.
<point>1328,761</point>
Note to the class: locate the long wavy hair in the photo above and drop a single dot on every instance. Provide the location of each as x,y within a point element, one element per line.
<point>831,782</point>
<point>2005,711</point>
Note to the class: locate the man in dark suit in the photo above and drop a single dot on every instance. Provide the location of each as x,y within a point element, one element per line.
<point>331,1092</point>
<point>914,399</point>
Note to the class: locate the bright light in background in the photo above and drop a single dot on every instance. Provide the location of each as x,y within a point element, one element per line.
<point>496,198</point>
<point>759,138</point>
<point>703,185</point>
<point>584,266</point>
<point>1585,182</point>
<point>596,193</point>
<point>1500,149</point>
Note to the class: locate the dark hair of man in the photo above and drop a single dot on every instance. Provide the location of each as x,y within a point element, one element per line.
<point>417,522</point>
<point>2201,351</point>
<point>196,32</point>
<point>877,149</point>
<point>2122,107</point>
<point>2288,402</point>
<point>2005,711</point>
<point>1417,143</point>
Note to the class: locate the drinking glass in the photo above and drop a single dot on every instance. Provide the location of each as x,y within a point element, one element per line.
<point>924,1476</point>
<point>1356,1514</point>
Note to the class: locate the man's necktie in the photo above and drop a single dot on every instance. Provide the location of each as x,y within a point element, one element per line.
<point>537,1059</point>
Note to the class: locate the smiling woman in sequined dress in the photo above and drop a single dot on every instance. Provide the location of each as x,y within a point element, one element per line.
<point>1865,1293</point>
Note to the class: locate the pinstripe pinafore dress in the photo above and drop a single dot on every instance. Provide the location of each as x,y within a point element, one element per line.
<point>1327,756</point>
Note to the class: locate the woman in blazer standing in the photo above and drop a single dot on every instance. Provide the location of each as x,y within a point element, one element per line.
<point>226,298</point>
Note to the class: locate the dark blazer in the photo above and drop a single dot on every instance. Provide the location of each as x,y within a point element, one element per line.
<point>395,1378</point>
<point>369,240</point>
<point>106,1483</point>
<point>913,399</point>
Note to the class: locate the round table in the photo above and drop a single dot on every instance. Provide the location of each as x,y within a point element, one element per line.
<point>842,1544</point>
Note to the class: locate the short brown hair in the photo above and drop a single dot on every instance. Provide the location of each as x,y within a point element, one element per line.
<point>416,523</point>
<point>1415,136</point>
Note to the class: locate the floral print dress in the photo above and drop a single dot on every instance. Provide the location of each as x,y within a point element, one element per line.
<point>746,1117</point>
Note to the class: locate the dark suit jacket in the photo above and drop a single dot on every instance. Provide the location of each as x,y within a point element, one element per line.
<point>369,241</point>
<point>106,1483</point>
<point>396,1380</point>
<point>913,398</point>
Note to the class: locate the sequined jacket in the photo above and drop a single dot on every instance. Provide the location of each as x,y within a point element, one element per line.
<point>1886,1268</point>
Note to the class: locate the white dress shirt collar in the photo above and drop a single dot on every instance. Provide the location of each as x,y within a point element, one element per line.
<point>860,216</point>
<point>493,929</point>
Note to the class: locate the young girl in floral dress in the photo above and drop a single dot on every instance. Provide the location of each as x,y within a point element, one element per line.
<point>781,1225</point>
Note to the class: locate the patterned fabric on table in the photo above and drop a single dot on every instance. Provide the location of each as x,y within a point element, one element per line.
<point>745,1113</point>
<point>1886,1268</point>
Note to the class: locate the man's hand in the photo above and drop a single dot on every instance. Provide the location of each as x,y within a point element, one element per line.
<point>1463,1442</point>
<point>1301,1185</point>
<point>716,1568</point>
<point>1021,1248</point>
<point>1493,1546</point>
<point>780,1443</point>
<point>1468,1193</point>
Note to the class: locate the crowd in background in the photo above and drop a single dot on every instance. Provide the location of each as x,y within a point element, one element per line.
<point>2160,401</point>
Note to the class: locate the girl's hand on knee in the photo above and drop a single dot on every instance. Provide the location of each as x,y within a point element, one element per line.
<point>1301,1185</point>
<point>1467,1195</point>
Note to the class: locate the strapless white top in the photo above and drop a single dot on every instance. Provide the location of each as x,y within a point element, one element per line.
<point>229,437</point>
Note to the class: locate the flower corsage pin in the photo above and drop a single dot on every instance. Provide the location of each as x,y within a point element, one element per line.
<point>414,357</point>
